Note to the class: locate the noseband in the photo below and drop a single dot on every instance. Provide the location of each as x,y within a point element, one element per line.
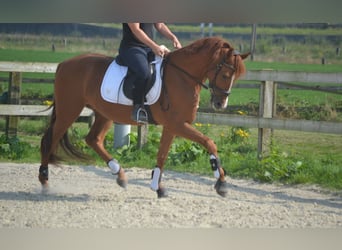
<point>212,84</point>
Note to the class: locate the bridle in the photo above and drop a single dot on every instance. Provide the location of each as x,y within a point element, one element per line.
<point>212,84</point>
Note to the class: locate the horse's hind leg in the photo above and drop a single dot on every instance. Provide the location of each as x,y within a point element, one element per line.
<point>95,140</point>
<point>49,144</point>
<point>57,128</point>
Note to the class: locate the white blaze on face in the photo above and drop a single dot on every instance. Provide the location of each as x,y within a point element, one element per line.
<point>230,88</point>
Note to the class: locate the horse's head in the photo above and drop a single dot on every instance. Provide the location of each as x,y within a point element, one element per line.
<point>214,59</point>
<point>229,67</point>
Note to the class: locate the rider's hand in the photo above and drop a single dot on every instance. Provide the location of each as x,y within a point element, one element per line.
<point>176,43</point>
<point>160,50</point>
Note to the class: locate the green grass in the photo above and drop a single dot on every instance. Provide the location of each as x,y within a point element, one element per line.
<point>29,55</point>
<point>37,91</point>
<point>299,67</point>
<point>319,153</point>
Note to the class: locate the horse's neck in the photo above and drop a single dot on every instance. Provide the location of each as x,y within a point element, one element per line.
<point>194,64</point>
<point>184,83</point>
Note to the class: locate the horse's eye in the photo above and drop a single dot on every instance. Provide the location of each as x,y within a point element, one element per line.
<point>225,77</point>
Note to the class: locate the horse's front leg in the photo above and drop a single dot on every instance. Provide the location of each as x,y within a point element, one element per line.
<point>95,139</point>
<point>187,131</point>
<point>164,147</point>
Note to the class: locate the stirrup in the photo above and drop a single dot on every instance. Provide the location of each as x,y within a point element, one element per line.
<point>139,114</point>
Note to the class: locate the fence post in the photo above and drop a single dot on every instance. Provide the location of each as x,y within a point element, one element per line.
<point>121,135</point>
<point>253,41</point>
<point>14,90</point>
<point>267,109</point>
<point>142,135</point>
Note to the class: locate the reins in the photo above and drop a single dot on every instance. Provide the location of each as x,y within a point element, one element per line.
<point>186,73</point>
<point>212,84</point>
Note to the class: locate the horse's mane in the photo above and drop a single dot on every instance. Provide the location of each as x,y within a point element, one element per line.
<point>209,43</point>
<point>216,47</point>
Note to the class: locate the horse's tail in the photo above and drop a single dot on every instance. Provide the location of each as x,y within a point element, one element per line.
<point>48,141</point>
<point>64,142</point>
<point>71,150</point>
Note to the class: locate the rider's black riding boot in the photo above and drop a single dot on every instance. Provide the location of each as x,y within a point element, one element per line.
<point>139,113</point>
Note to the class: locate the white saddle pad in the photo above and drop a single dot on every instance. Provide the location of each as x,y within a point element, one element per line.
<point>112,89</point>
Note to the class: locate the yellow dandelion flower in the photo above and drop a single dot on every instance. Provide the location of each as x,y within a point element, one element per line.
<point>48,102</point>
<point>238,132</point>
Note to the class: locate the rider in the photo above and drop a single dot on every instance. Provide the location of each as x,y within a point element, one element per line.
<point>136,45</point>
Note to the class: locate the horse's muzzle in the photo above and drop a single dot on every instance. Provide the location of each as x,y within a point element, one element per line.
<point>219,102</point>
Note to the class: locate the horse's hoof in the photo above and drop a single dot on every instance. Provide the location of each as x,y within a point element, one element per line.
<point>161,192</point>
<point>45,189</point>
<point>221,188</point>
<point>45,185</point>
<point>122,182</point>
<point>43,180</point>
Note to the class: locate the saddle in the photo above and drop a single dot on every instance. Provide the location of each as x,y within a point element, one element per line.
<point>127,83</point>
<point>117,83</point>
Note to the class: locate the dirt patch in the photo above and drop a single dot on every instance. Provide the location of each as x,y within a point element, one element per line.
<point>88,197</point>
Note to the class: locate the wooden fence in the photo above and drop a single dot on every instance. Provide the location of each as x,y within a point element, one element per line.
<point>265,122</point>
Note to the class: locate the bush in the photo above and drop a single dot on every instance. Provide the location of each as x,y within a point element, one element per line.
<point>13,149</point>
<point>277,167</point>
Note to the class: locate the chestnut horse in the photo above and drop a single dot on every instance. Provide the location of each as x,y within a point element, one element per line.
<point>77,85</point>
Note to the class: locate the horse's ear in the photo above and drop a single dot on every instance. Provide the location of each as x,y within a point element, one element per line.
<point>245,55</point>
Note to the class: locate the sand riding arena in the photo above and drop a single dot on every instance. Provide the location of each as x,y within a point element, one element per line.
<point>88,197</point>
